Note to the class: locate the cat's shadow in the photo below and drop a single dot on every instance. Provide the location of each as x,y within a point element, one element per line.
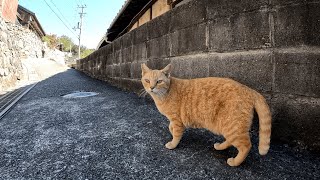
<point>196,140</point>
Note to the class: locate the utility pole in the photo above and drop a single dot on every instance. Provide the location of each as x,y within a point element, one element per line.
<point>80,26</point>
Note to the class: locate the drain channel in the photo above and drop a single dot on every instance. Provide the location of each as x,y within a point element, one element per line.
<point>8,100</point>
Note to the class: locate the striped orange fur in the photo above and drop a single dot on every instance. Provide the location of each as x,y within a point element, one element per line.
<point>221,105</point>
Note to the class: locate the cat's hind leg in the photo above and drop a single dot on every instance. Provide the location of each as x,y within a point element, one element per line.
<point>176,130</point>
<point>235,130</point>
<point>243,145</point>
<point>222,146</point>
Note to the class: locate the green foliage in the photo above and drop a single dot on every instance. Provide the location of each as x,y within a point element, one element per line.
<point>51,40</point>
<point>86,52</point>
<point>66,42</point>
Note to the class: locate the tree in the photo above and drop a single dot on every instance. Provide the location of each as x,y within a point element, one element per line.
<point>86,52</point>
<point>75,49</point>
<point>51,40</point>
<point>66,42</point>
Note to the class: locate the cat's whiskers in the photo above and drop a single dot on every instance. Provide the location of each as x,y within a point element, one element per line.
<point>161,93</point>
<point>142,93</point>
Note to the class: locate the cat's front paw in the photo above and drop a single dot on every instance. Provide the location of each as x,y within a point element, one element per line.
<point>170,145</point>
<point>231,162</point>
<point>216,146</point>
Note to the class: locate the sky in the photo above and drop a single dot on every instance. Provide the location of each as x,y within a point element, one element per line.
<point>96,21</point>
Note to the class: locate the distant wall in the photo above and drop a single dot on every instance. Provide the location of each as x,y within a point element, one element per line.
<point>16,43</point>
<point>271,46</point>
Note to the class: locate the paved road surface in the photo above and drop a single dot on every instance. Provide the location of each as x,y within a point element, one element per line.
<point>116,135</point>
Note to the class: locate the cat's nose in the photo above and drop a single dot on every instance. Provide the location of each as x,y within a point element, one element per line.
<point>152,87</point>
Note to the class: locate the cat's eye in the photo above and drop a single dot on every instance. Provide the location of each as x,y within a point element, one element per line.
<point>159,81</point>
<point>147,80</point>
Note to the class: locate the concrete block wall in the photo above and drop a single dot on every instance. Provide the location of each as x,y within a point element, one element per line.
<point>269,45</point>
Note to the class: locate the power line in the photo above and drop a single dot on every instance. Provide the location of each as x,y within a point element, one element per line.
<point>59,18</point>
<point>61,13</point>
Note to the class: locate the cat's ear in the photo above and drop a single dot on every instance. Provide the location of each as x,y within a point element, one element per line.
<point>144,68</point>
<point>167,70</point>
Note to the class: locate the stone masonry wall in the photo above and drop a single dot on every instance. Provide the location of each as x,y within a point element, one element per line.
<point>271,46</point>
<point>16,43</point>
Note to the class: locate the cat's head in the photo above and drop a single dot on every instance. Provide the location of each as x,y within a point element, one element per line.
<point>156,82</point>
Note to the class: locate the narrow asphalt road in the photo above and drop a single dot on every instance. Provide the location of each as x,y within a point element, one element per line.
<point>116,135</point>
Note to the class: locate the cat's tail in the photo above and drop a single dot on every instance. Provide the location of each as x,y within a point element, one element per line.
<point>264,114</point>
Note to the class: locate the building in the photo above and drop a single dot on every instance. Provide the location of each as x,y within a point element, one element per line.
<point>8,10</point>
<point>136,13</point>
<point>29,20</point>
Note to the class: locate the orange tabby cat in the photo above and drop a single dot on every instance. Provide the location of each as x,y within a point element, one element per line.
<point>221,105</point>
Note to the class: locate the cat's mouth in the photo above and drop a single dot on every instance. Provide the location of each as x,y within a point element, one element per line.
<point>158,92</point>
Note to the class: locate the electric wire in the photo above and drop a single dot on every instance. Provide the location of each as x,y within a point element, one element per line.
<point>61,13</point>
<point>60,18</point>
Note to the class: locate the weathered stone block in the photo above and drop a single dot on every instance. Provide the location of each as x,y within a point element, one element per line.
<point>197,67</point>
<point>314,24</point>
<point>227,8</point>
<point>297,71</point>
<point>109,49</point>
<point>158,47</point>
<point>290,25</point>
<point>188,15</point>
<point>131,84</point>
<point>285,2</point>
<point>109,59</point>
<point>103,60</point>
<point>125,70</point>
<point>158,63</point>
<point>200,67</point>
<point>110,71</point>
<point>117,44</point>
<point>101,51</point>
<point>220,35</point>
<point>141,34</point>
<point>117,57</point>
<point>160,26</point>
<point>127,54</point>
<point>3,37</point>
<point>117,70</point>
<point>241,31</point>
<point>189,40</point>
<point>135,70</point>
<point>92,55</point>
<point>97,66</point>
<point>252,68</point>
<point>251,30</point>
<point>127,40</point>
<point>139,52</point>
<point>182,68</point>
